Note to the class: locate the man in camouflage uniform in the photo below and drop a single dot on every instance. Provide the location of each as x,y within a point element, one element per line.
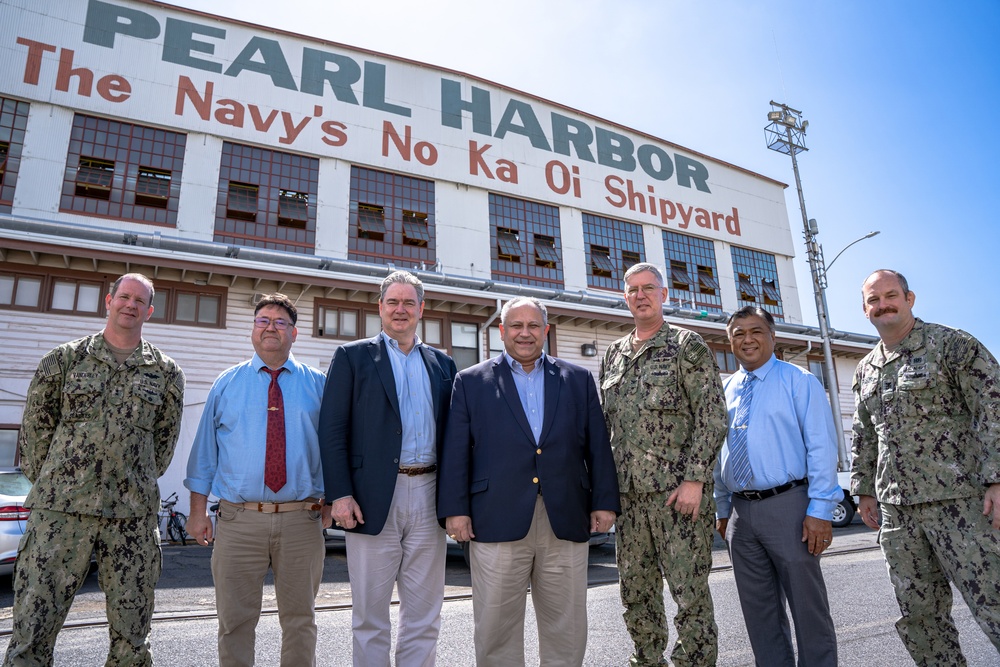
<point>100,424</point>
<point>667,417</point>
<point>926,435</point>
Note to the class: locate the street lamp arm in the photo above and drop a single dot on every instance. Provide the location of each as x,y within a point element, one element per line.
<point>866,236</point>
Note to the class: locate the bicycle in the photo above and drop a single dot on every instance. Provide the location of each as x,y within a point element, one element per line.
<point>176,521</point>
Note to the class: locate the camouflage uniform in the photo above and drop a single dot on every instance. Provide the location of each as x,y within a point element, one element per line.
<point>926,434</point>
<point>95,436</point>
<point>667,418</point>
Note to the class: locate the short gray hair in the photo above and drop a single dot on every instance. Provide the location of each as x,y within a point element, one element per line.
<point>639,268</point>
<point>518,301</point>
<point>403,278</point>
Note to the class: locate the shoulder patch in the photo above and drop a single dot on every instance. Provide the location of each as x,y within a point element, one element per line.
<point>695,351</point>
<point>49,365</point>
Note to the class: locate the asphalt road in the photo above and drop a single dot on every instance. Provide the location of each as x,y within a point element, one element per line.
<point>862,603</point>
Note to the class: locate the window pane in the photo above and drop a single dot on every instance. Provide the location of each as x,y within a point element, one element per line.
<point>28,291</point>
<point>6,290</point>
<point>330,320</point>
<point>496,343</point>
<point>187,305</point>
<point>159,306</point>
<point>464,335</point>
<point>349,323</point>
<point>464,357</point>
<point>208,309</point>
<point>63,295</point>
<point>373,324</point>
<point>432,332</point>
<point>88,300</point>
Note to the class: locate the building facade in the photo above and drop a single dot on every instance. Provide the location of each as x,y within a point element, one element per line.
<point>226,160</point>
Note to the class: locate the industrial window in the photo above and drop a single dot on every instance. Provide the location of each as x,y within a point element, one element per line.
<point>692,281</point>
<point>122,170</point>
<point>623,244</point>
<point>415,230</point>
<point>600,262</point>
<point>545,251</point>
<point>706,280</point>
<point>152,187</point>
<point>371,222</point>
<point>189,305</point>
<point>771,296</point>
<point>241,202</point>
<point>94,178</point>
<point>293,209</point>
<point>679,278</point>
<point>535,227</point>
<point>4,149</point>
<point>13,121</point>
<point>264,199</point>
<point>508,245</point>
<point>746,288</point>
<point>629,259</point>
<point>394,217</point>
<point>757,280</point>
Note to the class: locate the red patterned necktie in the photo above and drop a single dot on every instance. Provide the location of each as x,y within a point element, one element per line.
<point>274,457</point>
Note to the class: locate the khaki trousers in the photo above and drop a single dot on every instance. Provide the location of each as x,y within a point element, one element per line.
<point>247,543</point>
<point>557,572</point>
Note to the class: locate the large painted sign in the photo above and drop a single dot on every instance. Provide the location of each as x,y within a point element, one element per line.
<point>202,73</point>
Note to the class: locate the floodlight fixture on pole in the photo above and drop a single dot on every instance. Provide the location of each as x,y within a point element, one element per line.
<point>786,134</point>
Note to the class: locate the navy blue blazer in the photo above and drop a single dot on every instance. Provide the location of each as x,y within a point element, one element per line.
<point>360,428</point>
<point>491,468</point>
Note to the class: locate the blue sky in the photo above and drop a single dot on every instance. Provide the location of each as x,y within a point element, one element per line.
<point>901,99</point>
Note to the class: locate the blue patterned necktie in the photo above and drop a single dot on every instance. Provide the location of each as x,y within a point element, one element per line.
<point>739,457</point>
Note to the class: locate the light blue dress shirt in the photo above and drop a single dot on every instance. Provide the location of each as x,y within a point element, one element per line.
<point>531,391</point>
<point>790,436</point>
<point>416,407</point>
<point>227,457</point>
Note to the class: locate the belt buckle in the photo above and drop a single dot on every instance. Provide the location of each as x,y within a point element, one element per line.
<point>752,494</point>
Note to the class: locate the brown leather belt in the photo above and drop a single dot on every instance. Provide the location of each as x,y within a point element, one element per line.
<point>314,504</point>
<point>413,472</point>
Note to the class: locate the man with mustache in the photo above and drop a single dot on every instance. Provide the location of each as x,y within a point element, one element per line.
<point>926,430</point>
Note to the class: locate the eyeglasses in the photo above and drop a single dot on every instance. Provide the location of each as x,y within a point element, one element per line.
<point>265,322</point>
<point>647,289</point>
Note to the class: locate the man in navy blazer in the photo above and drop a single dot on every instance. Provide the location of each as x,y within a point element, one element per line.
<point>527,474</point>
<point>381,424</point>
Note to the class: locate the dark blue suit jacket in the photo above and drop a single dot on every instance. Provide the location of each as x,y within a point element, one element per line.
<point>360,428</point>
<point>491,468</point>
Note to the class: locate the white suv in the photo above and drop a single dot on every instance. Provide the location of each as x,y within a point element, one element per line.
<point>843,513</point>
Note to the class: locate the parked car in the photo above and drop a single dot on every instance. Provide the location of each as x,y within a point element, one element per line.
<point>14,487</point>
<point>843,513</point>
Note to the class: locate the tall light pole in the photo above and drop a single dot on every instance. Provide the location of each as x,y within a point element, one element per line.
<point>785,133</point>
